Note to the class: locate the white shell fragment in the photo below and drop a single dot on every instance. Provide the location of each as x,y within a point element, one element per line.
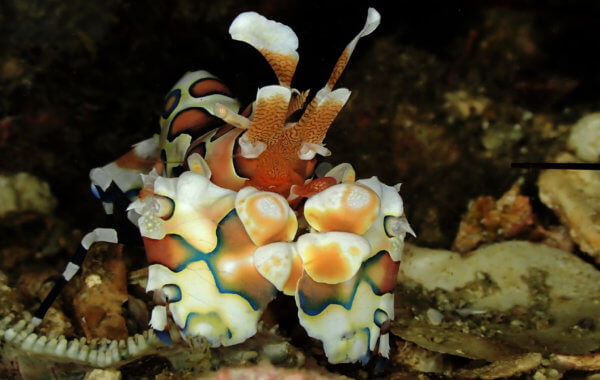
<point>585,138</point>
<point>539,297</point>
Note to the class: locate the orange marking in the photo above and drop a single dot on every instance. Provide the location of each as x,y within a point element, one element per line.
<point>146,192</point>
<point>319,292</point>
<point>315,186</point>
<point>289,288</point>
<point>219,156</point>
<point>384,273</point>
<point>192,121</point>
<point>274,172</point>
<point>346,219</point>
<point>167,252</point>
<point>238,248</point>
<point>326,262</point>
<point>261,218</point>
<point>131,160</point>
<point>169,103</point>
<point>267,228</point>
<point>207,86</point>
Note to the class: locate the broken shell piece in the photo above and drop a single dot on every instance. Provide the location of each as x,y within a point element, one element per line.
<point>537,299</point>
<point>584,138</point>
<point>347,207</point>
<point>332,257</point>
<point>267,216</point>
<point>573,196</point>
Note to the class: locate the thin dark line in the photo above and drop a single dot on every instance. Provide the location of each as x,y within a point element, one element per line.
<point>555,165</point>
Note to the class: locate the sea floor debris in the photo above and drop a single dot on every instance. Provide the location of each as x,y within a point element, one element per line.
<point>449,122</point>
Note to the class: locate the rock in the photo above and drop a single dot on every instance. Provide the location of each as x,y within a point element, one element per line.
<point>488,220</point>
<point>501,300</point>
<point>103,374</point>
<point>418,359</point>
<point>102,292</point>
<point>503,368</point>
<point>584,139</point>
<point>573,195</point>
<point>24,192</point>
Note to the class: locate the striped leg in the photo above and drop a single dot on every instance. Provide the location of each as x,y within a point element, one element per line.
<point>108,235</point>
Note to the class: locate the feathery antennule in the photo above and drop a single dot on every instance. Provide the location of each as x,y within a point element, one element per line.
<point>314,128</point>
<point>269,114</point>
<point>297,101</point>
<point>326,104</point>
<point>275,41</point>
<point>373,20</point>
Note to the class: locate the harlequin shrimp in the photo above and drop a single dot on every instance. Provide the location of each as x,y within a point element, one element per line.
<point>231,212</point>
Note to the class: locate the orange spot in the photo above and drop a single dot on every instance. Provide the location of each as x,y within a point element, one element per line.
<point>238,248</point>
<point>326,263</point>
<point>205,87</point>
<point>267,267</point>
<point>384,273</point>
<point>194,121</point>
<point>346,219</point>
<point>167,251</point>
<point>259,216</point>
<point>146,192</point>
<point>275,172</point>
<point>131,160</point>
<point>289,288</point>
<point>315,186</point>
<point>169,103</point>
<point>219,156</point>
